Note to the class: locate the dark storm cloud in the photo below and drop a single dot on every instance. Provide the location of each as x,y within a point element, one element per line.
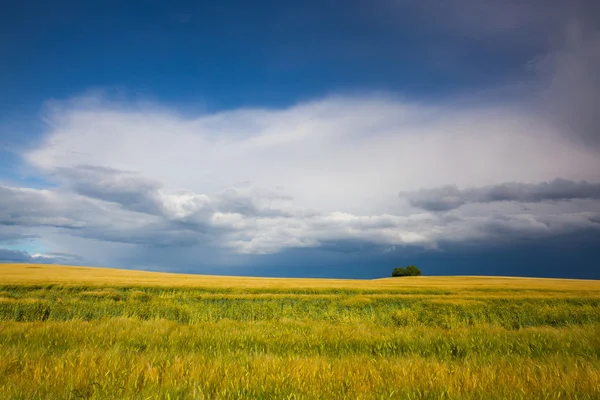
<point>84,217</point>
<point>136,193</point>
<point>7,255</point>
<point>570,96</point>
<point>116,206</point>
<point>124,188</point>
<point>156,235</point>
<point>31,207</point>
<point>509,19</point>
<point>450,197</point>
<point>563,37</point>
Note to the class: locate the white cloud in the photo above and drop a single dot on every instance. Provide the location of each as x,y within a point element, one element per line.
<point>331,155</point>
<point>307,176</point>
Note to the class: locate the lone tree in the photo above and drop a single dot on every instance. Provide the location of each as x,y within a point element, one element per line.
<point>411,270</point>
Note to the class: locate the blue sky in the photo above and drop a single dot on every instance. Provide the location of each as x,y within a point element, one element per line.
<point>316,139</point>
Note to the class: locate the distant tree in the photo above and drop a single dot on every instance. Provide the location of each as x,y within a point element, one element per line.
<point>408,271</point>
<point>413,271</point>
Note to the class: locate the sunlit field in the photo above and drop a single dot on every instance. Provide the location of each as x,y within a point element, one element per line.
<point>74,332</point>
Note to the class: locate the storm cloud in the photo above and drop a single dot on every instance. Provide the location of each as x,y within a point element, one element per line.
<point>19,256</point>
<point>450,197</point>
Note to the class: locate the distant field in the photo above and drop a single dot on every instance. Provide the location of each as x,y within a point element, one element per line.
<point>74,332</point>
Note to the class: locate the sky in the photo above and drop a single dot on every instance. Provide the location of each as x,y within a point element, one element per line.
<point>302,139</point>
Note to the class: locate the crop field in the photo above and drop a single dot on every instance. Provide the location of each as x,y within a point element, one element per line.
<point>91,333</point>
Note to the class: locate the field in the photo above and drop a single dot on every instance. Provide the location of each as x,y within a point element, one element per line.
<point>74,332</point>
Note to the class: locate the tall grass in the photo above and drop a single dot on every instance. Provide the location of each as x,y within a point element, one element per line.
<point>487,339</point>
<point>193,306</point>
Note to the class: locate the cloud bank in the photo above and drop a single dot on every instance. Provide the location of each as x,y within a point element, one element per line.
<point>259,181</point>
<point>451,197</point>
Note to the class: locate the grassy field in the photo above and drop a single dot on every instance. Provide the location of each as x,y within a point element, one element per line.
<point>74,332</point>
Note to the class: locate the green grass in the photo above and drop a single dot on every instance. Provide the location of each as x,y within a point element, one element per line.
<point>417,338</point>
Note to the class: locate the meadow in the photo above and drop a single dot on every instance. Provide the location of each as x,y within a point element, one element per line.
<point>76,332</point>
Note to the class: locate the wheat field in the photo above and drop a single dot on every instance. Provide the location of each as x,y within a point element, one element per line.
<point>93,333</point>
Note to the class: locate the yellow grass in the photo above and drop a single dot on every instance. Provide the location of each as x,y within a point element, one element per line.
<point>36,274</point>
<point>95,333</point>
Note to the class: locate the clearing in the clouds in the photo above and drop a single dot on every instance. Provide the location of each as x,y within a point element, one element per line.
<point>72,332</point>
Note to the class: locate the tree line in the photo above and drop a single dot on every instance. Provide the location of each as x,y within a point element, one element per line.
<point>411,270</point>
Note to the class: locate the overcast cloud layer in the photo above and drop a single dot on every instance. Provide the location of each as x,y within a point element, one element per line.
<point>377,170</point>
